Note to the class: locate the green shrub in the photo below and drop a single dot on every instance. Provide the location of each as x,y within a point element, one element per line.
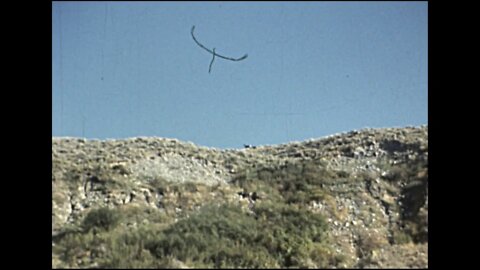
<point>295,182</point>
<point>400,237</point>
<point>103,218</point>
<point>201,233</point>
<point>126,251</point>
<point>73,248</point>
<point>226,237</point>
<point>276,235</point>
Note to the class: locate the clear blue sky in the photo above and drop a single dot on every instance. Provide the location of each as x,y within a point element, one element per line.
<point>127,69</point>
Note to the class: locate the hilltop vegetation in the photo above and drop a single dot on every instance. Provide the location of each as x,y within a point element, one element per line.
<point>352,200</point>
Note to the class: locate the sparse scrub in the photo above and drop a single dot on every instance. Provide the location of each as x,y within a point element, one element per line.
<point>296,182</point>
<point>368,242</point>
<point>400,237</point>
<point>298,205</point>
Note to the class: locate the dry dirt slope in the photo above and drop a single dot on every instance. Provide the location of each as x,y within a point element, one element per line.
<point>370,185</point>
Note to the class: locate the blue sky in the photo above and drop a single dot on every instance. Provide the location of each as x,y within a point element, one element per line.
<point>128,69</point>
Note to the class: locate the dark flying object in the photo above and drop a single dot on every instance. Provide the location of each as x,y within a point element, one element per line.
<point>214,53</point>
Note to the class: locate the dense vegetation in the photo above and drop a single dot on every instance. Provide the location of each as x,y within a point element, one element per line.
<point>220,236</point>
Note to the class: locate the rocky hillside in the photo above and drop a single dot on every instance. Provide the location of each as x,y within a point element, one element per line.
<point>355,200</point>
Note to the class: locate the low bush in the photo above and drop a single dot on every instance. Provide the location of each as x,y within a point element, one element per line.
<point>103,218</point>
<point>226,237</point>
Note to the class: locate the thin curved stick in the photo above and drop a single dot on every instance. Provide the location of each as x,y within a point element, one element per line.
<point>213,52</point>
<point>211,63</point>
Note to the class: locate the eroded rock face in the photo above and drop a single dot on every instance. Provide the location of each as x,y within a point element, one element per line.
<point>376,201</point>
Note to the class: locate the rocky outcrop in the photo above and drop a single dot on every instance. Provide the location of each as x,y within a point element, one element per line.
<point>374,194</point>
